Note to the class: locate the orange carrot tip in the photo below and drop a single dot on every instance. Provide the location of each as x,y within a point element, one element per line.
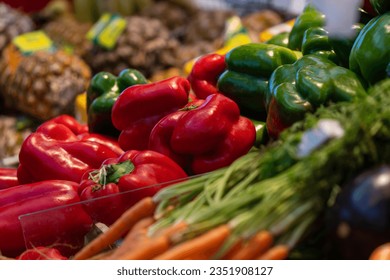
<point>255,246</point>
<point>147,250</point>
<point>278,252</point>
<point>208,242</point>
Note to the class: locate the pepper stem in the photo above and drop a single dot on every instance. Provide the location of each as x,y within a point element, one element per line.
<point>111,173</point>
<point>189,108</point>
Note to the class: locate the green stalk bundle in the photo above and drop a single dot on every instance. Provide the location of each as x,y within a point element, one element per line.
<point>276,190</point>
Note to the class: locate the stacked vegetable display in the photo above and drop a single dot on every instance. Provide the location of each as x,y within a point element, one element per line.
<point>175,168</point>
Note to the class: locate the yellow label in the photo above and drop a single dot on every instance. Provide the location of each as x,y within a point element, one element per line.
<point>98,26</point>
<point>34,41</point>
<point>110,34</point>
<point>107,30</point>
<point>275,30</point>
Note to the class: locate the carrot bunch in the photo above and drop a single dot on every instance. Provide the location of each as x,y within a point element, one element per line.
<point>169,244</point>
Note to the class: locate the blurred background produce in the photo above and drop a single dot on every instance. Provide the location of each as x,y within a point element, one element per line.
<point>43,84</point>
<point>75,73</point>
<point>160,37</point>
<point>12,23</point>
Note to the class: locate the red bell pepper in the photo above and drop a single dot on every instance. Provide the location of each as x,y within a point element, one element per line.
<point>205,135</point>
<point>137,173</point>
<point>8,178</point>
<point>64,227</point>
<point>139,107</point>
<point>61,149</point>
<point>41,253</point>
<point>205,73</point>
<point>70,122</point>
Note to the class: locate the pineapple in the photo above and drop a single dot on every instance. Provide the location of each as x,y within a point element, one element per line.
<point>259,21</point>
<point>12,24</point>
<point>207,25</point>
<point>173,15</point>
<point>69,33</point>
<point>145,45</point>
<point>197,30</point>
<point>43,84</point>
<point>203,34</point>
<point>187,52</point>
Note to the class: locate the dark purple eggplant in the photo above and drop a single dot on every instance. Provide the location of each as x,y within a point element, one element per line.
<point>359,221</point>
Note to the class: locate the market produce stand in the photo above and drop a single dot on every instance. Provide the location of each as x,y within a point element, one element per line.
<point>168,130</point>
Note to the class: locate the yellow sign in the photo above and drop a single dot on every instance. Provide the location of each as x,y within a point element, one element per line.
<point>98,26</point>
<point>107,30</point>
<point>109,35</point>
<point>34,41</point>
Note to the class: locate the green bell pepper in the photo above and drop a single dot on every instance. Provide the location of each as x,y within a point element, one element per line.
<point>316,41</point>
<point>102,93</point>
<point>310,17</point>
<point>370,53</point>
<point>280,39</point>
<point>249,67</point>
<point>342,47</point>
<point>380,6</point>
<point>309,35</point>
<point>299,88</point>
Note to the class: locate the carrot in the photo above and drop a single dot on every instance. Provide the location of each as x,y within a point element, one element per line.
<point>382,252</point>
<point>202,246</point>
<point>153,246</point>
<point>257,245</point>
<point>125,222</point>
<point>137,235</point>
<point>232,250</point>
<point>170,231</point>
<point>148,249</point>
<point>279,252</point>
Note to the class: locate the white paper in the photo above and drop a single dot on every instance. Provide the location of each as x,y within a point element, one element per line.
<point>340,15</point>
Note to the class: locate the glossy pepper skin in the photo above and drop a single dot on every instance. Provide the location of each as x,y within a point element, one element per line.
<point>302,87</point>
<point>204,135</point>
<point>65,225</point>
<point>310,17</point>
<point>135,174</point>
<point>310,37</point>
<point>280,39</point>
<point>41,253</point>
<point>249,67</point>
<point>380,6</point>
<point>140,107</point>
<point>205,73</point>
<point>316,41</point>
<point>60,149</point>
<point>102,93</point>
<point>370,54</point>
<point>8,177</point>
<point>342,47</point>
